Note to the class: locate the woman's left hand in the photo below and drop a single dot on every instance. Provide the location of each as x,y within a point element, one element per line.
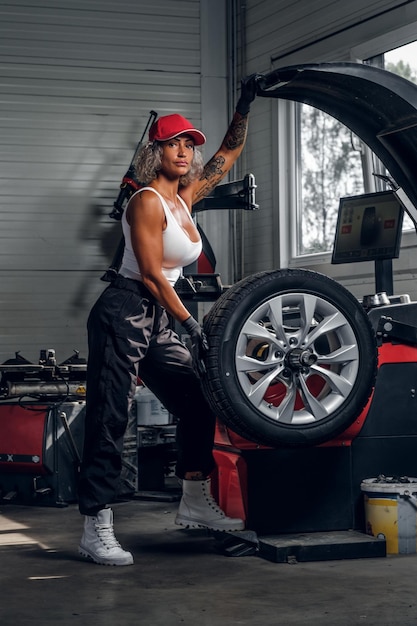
<point>199,344</point>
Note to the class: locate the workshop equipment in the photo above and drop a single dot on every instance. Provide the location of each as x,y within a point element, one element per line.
<point>41,429</point>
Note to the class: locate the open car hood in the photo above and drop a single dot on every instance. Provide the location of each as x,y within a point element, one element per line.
<point>378,106</point>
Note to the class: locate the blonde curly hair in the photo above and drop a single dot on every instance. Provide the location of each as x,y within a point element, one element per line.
<point>148,163</point>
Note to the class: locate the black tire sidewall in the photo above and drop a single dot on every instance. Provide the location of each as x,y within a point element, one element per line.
<point>223,387</point>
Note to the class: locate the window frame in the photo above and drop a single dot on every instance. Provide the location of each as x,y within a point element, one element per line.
<point>357,54</point>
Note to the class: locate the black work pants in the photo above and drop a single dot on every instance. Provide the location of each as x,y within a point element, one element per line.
<point>129,336</point>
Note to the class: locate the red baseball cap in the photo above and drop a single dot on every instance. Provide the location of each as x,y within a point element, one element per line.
<point>170,126</point>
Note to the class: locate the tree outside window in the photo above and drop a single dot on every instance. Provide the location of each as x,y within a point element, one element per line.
<point>330,168</point>
<point>330,161</point>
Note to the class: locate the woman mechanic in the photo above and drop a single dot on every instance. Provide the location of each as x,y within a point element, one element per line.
<point>129,333</point>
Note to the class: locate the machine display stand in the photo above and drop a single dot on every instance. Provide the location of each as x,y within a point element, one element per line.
<point>307,503</point>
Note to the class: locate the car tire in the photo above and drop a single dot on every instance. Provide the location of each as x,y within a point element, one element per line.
<point>292,358</point>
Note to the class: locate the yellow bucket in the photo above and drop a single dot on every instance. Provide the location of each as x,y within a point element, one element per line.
<point>391,512</point>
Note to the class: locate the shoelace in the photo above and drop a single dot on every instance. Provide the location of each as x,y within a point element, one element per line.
<point>106,535</point>
<point>213,504</point>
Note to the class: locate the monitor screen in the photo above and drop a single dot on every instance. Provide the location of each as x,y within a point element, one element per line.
<point>368,228</point>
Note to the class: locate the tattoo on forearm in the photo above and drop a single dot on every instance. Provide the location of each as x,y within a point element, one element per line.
<point>213,171</point>
<point>205,190</point>
<point>236,134</point>
<point>213,168</point>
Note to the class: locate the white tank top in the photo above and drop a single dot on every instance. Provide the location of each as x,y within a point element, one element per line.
<point>178,249</point>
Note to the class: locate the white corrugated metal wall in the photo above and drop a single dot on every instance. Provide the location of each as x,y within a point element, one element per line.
<point>284,33</point>
<point>77,79</point>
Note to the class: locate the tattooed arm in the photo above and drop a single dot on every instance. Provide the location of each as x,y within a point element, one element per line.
<point>229,151</point>
<point>218,166</point>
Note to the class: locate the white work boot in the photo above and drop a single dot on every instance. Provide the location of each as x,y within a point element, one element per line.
<point>98,542</point>
<point>198,509</point>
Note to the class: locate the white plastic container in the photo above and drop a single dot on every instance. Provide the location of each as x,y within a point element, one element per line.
<point>149,410</point>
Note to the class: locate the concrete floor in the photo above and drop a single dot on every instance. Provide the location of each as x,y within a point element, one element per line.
<point>182,577</point>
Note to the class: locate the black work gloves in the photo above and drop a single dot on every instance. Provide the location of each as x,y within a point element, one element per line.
<point>199,344</point>
<point>247,93</point>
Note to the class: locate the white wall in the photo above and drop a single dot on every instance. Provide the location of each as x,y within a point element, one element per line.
<point>77,80</point>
